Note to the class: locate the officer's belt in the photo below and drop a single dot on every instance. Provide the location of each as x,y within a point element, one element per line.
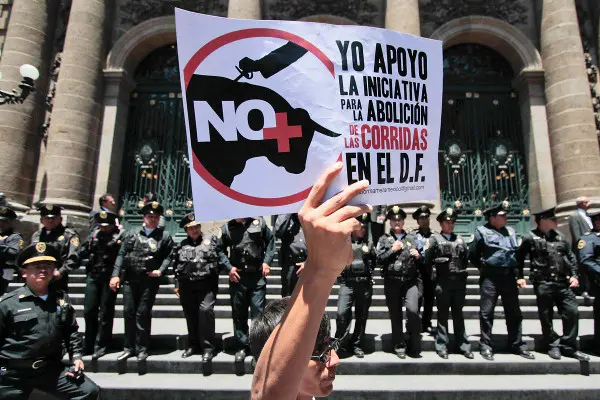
<point>249,269</point>
<point>357,279</point>
<point>498,271</point>
<point>548,277</point>
<point>29,364</point>
<point>400,278</point>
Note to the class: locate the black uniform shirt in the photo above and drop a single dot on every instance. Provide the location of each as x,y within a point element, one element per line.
<point>66,241</point>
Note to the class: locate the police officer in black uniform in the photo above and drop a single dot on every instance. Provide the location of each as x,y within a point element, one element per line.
<point>98,256</point>
<point>426,285</point>
<point>11,244</point>
<point>589,257</point>
<point>142,260</point>
<point>35,323</point>
<point>356,288</point>
<point>251,248</point>
<point>554,275</point>
<point>377,224</point>
<point>493,252</point>
<point>447,257</point>
<point>195,264</point>
<point>293,251</point>
<point>398,255</point>
<point>65,240</point>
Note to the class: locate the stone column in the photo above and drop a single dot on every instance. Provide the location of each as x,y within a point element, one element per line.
<point>29,40</point>
<point>572,132</point>
<point>70,158</point>
<point>403,16</point>
<point>244,9</point>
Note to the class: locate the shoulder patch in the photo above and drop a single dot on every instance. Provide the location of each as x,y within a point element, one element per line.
<point>581,244</point>
<point>75,241</point>
<point>21,244</point>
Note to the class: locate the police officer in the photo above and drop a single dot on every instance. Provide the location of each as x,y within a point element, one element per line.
<point>589,256</point>
<point>377,224</point>
<point>143,258</point>
<point>398,255</point>
<point>11,244</point>
<point>447,257</point>
<point>554,275</point>
<point>293,251</point>
<point>195,264</point>
<point>426,285</point>
<point>493,252</point>
<point>251,248</point>
<point>65,240</point>
<point>98,256</point>
<point>35,323</point>
<point>356,288</point>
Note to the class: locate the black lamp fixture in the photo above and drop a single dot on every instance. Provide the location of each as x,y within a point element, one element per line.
<point>29,74</point>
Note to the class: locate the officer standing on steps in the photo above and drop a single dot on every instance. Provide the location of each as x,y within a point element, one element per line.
<point>292,253</point>
<point>142,260</point>
<point>65,240</point>
<point>553,272</point>
<point>397,253</point>
<point>426,285</point>
<point>589,256</point>
<point>11,244</point>
<point>356,288</point>
<point>493,253</point>
<point>36,323</point>
<point>447,257</point>
<point>98,256</point>
<point>195,264</point>
<point>251,249</point>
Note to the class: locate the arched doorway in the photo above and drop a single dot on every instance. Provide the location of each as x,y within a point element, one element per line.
<point>155,157</point>
<point>481,158</point>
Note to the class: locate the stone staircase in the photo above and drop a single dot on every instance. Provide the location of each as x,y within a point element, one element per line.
<point>380,375</point>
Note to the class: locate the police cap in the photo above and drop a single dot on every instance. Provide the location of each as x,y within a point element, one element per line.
<point>37,252</point>
<point>395,212</point>
<point>7,213</point>
<point>153,207</point>
<point>49,210</point>
<point>105,218</point>
<point>188,221</point>
<point>549,213</point>
<point>422,211</point>
<point>594,215</point>
<point>364,218</point>
<point>449,214</point>
<point>497,209</point>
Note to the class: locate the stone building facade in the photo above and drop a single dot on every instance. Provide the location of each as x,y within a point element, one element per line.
<point>520,119</point>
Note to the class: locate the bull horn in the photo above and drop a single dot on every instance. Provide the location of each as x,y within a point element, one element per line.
<point>317,127</point>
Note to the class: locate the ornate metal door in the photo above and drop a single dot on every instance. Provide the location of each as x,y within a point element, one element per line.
<point>155,157</point>
<point>481,144</point>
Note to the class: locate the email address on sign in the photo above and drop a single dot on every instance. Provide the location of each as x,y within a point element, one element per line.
<point>407,188</point>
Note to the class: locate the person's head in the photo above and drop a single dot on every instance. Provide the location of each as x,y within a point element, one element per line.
<point>546,219</point>
<point>447,218</point>
<point>148,197</point>
<point>421,215</point>
<point>36,265</point>
<point>362,232</point>
<point>152,212</point>
<point>7,216</point>
<point>240,220</point>
<point>106,221</point>
<point>107,201</point>
<point>320,371</point>
<point>191,226</point>
<point>50,216</point>
<point>583,202</point>
<point>396,216</point>
<point>497,215</point>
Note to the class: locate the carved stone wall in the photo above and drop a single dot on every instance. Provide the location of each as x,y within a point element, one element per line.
<point>5,6</point>
<point>363,12</point>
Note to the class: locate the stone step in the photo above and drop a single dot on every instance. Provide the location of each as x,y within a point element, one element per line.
<point>358,387</point>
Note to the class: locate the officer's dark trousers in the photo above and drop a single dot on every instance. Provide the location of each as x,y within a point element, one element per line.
<point>397,295</point>
<point>99,313</point>
<point>198,301</point>
<point>492,286</point>
<point>251,292</point>
<point>595,287</point>
<point>360,295</point>
<point>547,295</point>
<point>426,296</point>
<point>450,295</point>
<point>18,385</point>
<point>289,279</point>
<point>138,298</point>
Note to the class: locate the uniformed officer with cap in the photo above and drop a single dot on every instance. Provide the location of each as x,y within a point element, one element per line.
<point>493,252</point>
<point>589,257</point>
<point>426,286</point>
<point>293,251</point>
<point>143,258</point>
<point>98,256</point>
<point>35,323</point>
<point>195,264</point>
<point>251,248</point>
<point>11,244</point>
<point>65,240</point>
<point>447,257</point>
<point>398,255</point>
<point>553,272</point>
<point>356,288</point>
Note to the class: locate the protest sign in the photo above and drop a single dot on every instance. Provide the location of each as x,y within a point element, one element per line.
<point>270,104</point>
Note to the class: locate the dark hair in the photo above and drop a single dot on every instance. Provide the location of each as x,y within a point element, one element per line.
<point>148,197</point>
<point>103,198</point>
<point>264,325</point>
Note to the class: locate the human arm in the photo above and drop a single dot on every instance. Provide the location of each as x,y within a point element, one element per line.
<point>523,251</point>
<point>475,250</point>
<point>71,259</point>
<point>166,249</point>
<point>10,248</point>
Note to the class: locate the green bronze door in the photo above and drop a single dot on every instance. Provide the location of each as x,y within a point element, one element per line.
<point>155,155</point>
<point>481,156</point>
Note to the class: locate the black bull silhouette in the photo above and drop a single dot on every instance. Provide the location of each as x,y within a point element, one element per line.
<point>224,160</point>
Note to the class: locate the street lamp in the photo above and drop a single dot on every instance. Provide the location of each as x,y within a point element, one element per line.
<point>29,74</point>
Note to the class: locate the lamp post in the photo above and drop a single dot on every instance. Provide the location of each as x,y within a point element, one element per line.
<point>29,74</point>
